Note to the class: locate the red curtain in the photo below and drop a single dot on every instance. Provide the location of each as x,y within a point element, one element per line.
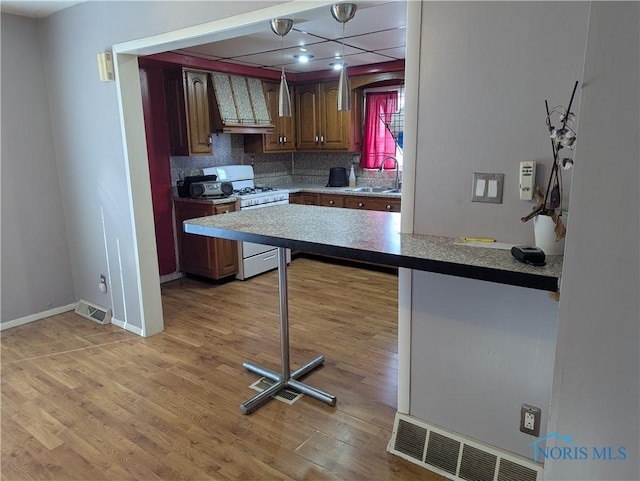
<point>378,142</point>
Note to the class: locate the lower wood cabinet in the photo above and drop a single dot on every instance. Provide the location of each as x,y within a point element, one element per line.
<point>388,204</point>
<point>331,200</point>
<point>306,198</point>
<point>366,202</point>
<point>210,257</point>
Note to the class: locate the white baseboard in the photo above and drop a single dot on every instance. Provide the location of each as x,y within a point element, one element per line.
<point>171,277</point>
<point>37,316</point>
<point>128,327</point>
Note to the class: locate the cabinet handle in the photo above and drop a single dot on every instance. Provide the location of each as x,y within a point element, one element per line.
<point>279,139</point>
<point>284,139</point>
<point>322,139</point>
<point>388,206</point>
<point>209,140</point>
<point>360,204</point>
<point>227,211</point>
<point>331,202</point>
<point>317,139</point>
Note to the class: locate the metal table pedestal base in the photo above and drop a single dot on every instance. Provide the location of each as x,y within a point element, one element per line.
<point>286,378</point>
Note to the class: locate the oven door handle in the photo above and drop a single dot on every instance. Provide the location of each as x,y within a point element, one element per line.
<point>268,204</point>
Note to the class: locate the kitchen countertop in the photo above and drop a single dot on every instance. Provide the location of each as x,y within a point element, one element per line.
<point>319,189</point>
<point>374,236</point>
<point>293,189</point>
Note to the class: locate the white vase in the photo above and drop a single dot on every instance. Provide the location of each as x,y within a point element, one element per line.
<point>545,237</point>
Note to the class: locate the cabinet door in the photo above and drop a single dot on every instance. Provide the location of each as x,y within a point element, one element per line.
<point>282,138</point>
<point>198,112</point>
<point>176,113</point>
<point>331,200</point>
<point>196,252</point>
<point>372,203</point>
<point>226,251</point>
<point>334,124</point>
<point>307,129</point>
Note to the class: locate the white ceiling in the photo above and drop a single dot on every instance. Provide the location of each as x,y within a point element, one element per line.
<point>377,33</point>
<point>35,9</point>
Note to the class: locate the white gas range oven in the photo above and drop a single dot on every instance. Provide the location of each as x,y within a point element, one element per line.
<point>254,258</point>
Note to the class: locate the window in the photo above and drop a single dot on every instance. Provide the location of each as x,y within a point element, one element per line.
<point>383,127</point>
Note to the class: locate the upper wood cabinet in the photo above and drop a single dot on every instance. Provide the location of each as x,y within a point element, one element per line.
<point>320,126</point>
<point>283,137</point>
<point>189,112</point>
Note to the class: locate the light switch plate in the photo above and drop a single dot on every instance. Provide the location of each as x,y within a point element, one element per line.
<point>487,188</point>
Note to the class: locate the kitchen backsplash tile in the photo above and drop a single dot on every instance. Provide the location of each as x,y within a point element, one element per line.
<point>278,168</point>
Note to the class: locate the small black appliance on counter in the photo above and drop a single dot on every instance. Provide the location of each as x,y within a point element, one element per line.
<point>338,177</point>
<point>184,186</point>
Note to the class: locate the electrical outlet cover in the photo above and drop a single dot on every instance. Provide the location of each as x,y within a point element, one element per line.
<point>530,417</point>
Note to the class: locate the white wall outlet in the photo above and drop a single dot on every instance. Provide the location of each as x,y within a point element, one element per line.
<point>530,420</point>
<point>527,179</point>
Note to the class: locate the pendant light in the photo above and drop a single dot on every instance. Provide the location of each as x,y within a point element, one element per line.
<point>281,27</point>
<point>343,12</point>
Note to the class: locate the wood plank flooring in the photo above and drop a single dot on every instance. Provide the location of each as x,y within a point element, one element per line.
<point>80,401</point>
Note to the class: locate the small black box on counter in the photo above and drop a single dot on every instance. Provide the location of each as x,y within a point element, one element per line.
<point>183,185</point>
<point>533,256</point>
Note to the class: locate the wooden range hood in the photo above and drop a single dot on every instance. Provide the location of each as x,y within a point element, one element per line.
<point>239,105</point>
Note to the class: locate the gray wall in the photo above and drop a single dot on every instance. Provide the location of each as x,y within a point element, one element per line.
<point>485,71</point>
<point>476,361</point>
<point>88,138</point>
<point>36,272</point>
<point>595,391</point>
<point>480,350</point>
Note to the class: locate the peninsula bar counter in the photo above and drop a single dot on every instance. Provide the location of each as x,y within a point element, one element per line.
<point>369,236</point>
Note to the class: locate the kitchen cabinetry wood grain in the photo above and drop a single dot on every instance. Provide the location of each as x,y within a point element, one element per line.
<point>388,204</point>
<point>188,93</point>
<point>331,200</point>
<point>210,257</point>
<point>306,198</point>
<point>283,137</point>
<point>320,126</point>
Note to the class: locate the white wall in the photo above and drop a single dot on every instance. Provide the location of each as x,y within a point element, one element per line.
<point>486,69</point>
<point>36,271</point>
<point>88,139</point>
<point>595,392</point>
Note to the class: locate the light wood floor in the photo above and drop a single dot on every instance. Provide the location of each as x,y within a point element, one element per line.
<point>87,402</point>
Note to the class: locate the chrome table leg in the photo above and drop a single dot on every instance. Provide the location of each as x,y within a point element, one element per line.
<point>286,378</point>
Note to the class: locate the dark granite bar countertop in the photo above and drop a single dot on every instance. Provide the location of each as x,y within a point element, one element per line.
<point>373,236</point>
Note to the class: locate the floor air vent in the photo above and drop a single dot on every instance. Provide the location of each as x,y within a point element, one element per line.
<point>285,395</point>
<point>455,456</point>
<point>411,439</point>
<point>93,312</point>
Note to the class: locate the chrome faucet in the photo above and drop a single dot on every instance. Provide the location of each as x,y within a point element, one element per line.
<point>397,166</point>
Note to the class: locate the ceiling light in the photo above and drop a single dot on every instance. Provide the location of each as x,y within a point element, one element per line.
<point>304,58</point>
<point>343,12</point>
<point>281,27</point>
<point>336,65</point>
